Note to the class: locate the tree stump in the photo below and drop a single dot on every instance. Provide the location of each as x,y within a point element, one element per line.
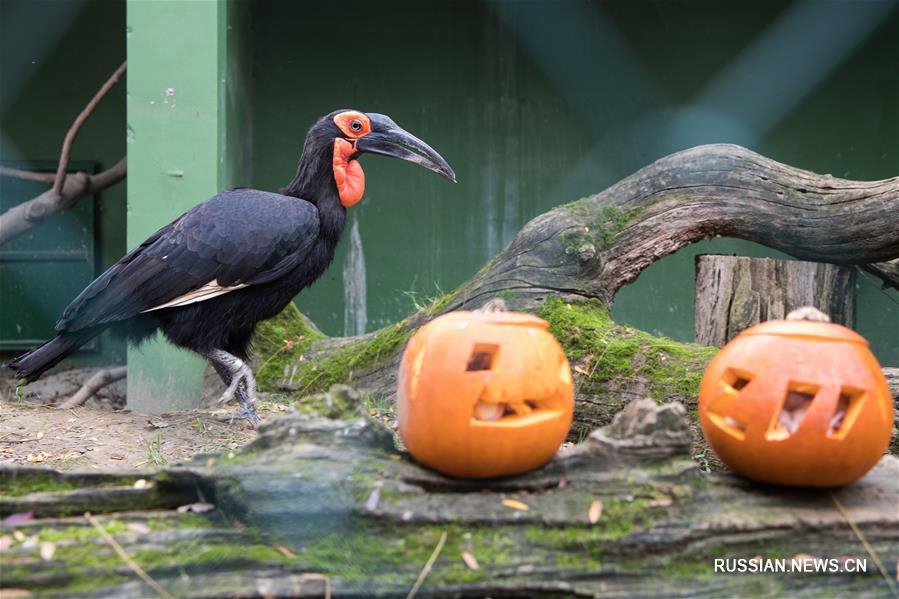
<point>733,293</point>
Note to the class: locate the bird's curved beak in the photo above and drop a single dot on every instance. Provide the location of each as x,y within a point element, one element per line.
<point>394,141</point>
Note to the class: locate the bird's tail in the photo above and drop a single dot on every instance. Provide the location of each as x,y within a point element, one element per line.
<point>30,365</point>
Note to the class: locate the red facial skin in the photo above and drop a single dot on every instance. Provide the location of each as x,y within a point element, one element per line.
<point>348,174</point>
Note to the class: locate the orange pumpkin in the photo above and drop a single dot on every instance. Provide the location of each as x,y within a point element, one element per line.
<point>484,394</point>
<point>794,402</point>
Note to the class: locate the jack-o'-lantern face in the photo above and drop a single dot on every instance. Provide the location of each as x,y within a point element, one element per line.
<point>797,403</point>
<point>484,394</point>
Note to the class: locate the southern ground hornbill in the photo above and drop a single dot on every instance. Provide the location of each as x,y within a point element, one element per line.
<point>210,276</point>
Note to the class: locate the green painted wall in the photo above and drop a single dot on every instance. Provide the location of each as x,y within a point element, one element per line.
<point>538,103</point>
<point>53,57</point>
<point>179,137</point>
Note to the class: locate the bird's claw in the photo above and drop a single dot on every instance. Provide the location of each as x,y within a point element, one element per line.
<point>228,394</point>
<point>249,412</point>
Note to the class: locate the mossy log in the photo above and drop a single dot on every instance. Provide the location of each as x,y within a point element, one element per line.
<point>315,502</point>
<point>567,264</point>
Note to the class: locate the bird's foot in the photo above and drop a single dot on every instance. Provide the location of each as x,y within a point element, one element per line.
<point>245,392</point>
<point>249,415</point>
<point>246,398</point>
<point>242,377</point>
<point>249,412</point>
<point>241,384</point>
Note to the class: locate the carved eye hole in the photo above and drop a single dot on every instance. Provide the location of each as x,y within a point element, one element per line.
<point>734,380</point>
<point>482,357</point>
<point>356,125</point>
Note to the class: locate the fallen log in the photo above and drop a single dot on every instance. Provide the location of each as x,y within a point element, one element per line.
<point>316,501</point>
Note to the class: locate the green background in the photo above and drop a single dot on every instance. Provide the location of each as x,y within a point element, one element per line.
<point>539,103</point>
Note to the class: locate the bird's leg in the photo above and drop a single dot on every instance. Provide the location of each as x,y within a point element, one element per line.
<point>240,380</point>
<point>224,374</point>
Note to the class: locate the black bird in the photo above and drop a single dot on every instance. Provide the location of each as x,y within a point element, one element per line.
<point>210,276</point>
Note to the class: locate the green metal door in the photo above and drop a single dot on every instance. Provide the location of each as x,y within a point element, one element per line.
<point>42,270</point>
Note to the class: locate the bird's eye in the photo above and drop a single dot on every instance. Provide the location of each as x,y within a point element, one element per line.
<point>356,125</point>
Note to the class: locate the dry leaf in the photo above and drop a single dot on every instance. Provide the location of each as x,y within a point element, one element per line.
<point>116,456</point>
<point>516,505</point>
<point>47,551</point>
<point>580,370</point>
<point>285,551</point>
<point>371,504</point>
<point>470,561</point>
<point>198,508</point>
<point>141,483</point>
<point>14,593</point>
<point>595,512</point>
<point>138,527</point>
<point>661,502</point>
<point>18,519</point>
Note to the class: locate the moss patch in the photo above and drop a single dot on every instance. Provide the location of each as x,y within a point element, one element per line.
<point>613,352</point>
<point>16,483</point>
<point>338,367</point>
<point>603,228</point>
<point>282,341</point>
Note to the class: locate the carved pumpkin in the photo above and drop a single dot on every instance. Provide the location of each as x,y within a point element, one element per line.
<point>484,394</point>
<point>793,402</point>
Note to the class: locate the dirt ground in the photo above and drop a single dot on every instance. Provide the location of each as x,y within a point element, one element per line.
<point>88,438</point>
<point>102,436</point>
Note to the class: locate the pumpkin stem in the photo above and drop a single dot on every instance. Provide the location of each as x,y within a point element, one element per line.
<point>808,313</point>
<point>497,304</point>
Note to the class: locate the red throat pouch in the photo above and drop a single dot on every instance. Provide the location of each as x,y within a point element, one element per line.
<point>348,173</point>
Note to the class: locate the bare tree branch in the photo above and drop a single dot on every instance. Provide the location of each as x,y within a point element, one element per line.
<point>76,127</point>
<point>6,171</point>
<point>66,191</point>
<point>26,215</point>
<point>94,384</point>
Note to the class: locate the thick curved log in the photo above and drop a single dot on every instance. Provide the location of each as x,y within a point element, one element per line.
<point>592,247</point>
<point>585,251</point>
<point>567,264</point>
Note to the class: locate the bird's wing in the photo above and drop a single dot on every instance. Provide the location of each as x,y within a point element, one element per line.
<point>238,238</point>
